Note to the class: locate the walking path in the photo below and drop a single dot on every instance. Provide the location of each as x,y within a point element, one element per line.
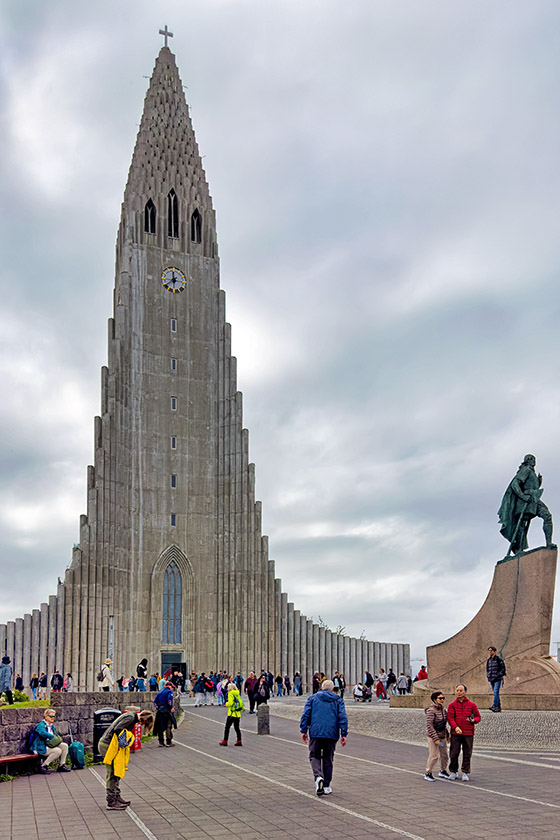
<point>264,789</point>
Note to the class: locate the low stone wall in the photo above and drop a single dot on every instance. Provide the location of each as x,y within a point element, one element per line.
<point>74,708</point>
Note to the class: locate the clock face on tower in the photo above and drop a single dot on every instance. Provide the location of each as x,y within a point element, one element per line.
<point>173,279</point>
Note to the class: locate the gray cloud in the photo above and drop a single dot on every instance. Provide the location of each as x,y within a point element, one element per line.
<point>386,187</point>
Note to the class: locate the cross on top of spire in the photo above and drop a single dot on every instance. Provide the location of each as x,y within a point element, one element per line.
<point>166,34</point>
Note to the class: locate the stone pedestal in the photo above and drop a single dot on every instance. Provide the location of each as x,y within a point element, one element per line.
<point>516,618</point>
<point>263,720</point>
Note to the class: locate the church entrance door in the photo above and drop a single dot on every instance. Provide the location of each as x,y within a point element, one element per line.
<point>173,660</point>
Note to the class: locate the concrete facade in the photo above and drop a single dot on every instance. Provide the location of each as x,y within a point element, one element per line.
<point>171,493</point>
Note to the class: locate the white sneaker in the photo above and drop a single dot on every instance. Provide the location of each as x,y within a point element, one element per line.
<point>319,786</point>
<point>453,776</point>
<point>327,790</point>
<point>465,778</point>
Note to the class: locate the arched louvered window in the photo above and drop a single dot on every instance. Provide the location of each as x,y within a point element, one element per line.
<point>196,227</point>
<point>172,215</point>
<point>171,634</point>
<point>150,217</point>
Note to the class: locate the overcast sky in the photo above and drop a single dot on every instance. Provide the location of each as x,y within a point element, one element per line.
<point>386,182</point>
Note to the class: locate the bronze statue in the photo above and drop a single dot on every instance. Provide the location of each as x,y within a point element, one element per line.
<point>521,503</point>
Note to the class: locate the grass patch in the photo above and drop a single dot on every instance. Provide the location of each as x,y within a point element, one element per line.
<point>28,704</point>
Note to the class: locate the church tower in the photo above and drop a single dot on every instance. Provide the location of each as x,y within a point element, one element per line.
<point>171,564</point>
<point>172,537</point>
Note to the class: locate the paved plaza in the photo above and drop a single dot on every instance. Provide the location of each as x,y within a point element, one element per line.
<point>265,790</point>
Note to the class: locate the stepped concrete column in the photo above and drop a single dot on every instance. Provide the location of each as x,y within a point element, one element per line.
<point>309,658</point>
<point>290,649</point>
<point>346,671</point>
<point>353,661</point>
<point>328,653</point>
<point>26,666</point>
<point>60,593</point>
<point>18,651</point>
<point>407,659</point>
<point>43,637</point>
<point>303,651</point>
<point>322,650</point>
<point>283,663</point>
<point>51,644</point>
<point>297,644</point>
<point>35,630</point>
<point>11,641</point>
<point>383,656</point>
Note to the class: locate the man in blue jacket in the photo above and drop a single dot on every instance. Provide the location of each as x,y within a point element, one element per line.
<point>324,716</point>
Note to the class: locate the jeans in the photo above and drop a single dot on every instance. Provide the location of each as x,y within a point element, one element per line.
<point>140,684</point>
<point>279,691</point>
<point>321,756</point>
<point>496,689</point>
<point>34,693</point>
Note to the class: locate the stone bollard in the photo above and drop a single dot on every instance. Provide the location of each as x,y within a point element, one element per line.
<point>263,720</point>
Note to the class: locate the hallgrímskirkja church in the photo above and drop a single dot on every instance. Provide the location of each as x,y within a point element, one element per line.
<point>171,563</point>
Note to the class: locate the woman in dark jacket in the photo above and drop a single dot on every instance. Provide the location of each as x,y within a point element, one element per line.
<point>261,692</point>
<point>436,732</point>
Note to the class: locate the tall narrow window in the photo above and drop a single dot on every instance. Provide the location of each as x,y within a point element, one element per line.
<point>173,403</point>
<point>150,217</point>
<point>196,226</point>
<point>173,481</point>
<point>173,364</point>
<point>173,520</point>
<point>174,325</point>
<point>172,215</point>
<point>173,442</point>
<point>171,630</point>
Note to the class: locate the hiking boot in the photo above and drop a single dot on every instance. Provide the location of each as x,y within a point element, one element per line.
<point>115,806</point>
<point>319,786</point>
<point>238,744</point>
<point>428,777</point>
<point>223,743</point>
<point>121,801</point>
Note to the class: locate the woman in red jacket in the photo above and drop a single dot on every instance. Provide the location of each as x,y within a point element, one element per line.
<point>462,716</point>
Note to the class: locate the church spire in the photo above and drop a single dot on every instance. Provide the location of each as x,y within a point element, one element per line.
<point>166,162</point>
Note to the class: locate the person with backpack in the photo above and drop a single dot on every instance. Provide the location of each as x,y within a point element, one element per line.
<point>209,689</point>
<point>234,705</point>
<point>114,746</point>
<point>105,677</point>
<point>200,691</point>
<point>141,675</point>
<point>495,673</point>
<point>391,682</point>
<point>6,679</point>
<point>165,719</point>
<point>57,681</point>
